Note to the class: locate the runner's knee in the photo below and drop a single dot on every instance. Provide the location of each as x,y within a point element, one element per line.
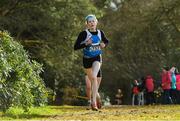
<point>88,87</point>
<point>93,78</point>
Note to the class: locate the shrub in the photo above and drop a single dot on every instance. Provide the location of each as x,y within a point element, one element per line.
<point>20,83</point>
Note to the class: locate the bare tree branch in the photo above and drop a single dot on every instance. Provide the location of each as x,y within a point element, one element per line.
<point>9,9</point>
<point>167,11</point>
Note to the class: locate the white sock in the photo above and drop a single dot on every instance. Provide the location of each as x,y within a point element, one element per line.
<point>94,90</point>
<point>96,66</point>
<point>98,95</point>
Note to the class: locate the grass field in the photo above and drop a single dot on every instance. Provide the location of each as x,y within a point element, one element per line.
<point>50,113</point>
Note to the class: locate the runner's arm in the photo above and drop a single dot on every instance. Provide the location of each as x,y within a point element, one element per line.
<point>104,38</point>
<point>80,39</point>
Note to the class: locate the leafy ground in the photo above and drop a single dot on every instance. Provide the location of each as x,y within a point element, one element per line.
<point>49,113</point>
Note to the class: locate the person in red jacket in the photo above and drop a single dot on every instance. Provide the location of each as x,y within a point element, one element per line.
<point>149,84</point>
<point>166,85</point>
<point>178,86</point>
<point>135,93</point>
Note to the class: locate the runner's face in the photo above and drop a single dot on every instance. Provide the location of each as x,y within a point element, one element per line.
<point>92,24</point>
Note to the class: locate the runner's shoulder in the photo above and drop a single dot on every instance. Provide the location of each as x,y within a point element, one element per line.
<point>102,32</point>
<point>83,33</point>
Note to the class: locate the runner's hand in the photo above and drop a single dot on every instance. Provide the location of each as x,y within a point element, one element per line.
<point>89,42</point>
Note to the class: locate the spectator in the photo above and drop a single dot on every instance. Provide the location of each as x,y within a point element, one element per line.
<point>149,84</point>
<point>119,96</point>
<point>135,92</point>
<point>173,91</point>
<point>178,86</point>
<point>166,85</point>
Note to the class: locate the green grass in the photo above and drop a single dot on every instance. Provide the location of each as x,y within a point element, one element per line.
<point>156,112</point>
<point>33,113</point>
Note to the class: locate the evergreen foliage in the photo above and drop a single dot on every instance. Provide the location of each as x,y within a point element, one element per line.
<point>20,83</point>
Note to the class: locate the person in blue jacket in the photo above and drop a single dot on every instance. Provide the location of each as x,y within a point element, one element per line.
<point>173,91</point>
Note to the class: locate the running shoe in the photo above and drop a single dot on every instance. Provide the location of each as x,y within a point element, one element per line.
<point>94,107</point>
<point>99,103</point>
<point>88,105</point>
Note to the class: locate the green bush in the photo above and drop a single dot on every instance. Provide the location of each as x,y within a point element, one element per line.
<point>51,96</point>
<point>20,83</point>
<point>14,112</point>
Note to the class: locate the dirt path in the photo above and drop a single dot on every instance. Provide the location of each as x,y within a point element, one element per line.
<point>121,113</point>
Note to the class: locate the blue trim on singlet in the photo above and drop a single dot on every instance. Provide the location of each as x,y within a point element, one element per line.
<point>94,49</point>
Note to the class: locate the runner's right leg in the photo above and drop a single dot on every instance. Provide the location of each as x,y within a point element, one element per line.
<point>98,100</point>
<point>95,69</point>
